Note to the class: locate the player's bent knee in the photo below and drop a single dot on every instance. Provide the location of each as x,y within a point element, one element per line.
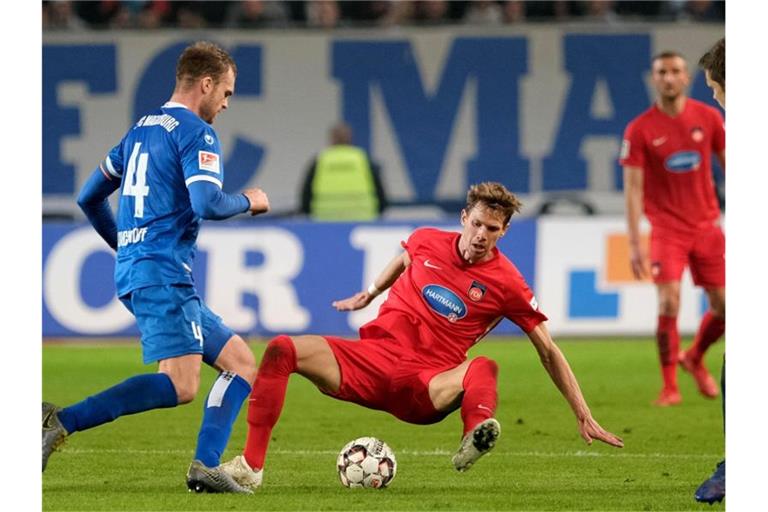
<point>716,302</point>
<point>280,351</point>
<point>669,307</point>
<point>483,365</point>
<point>186,388</point>
<point>242,362</point>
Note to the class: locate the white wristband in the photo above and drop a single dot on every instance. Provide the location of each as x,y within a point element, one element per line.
<point>373,291</point>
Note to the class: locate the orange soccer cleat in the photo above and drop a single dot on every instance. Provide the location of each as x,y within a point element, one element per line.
<point>668,397</point>
<point>704,380</point>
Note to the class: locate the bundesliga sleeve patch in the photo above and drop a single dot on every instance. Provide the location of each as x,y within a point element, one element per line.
<point>208,161</point>
<point>624,153</point>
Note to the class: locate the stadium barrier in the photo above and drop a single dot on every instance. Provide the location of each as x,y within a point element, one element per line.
<point>281,277</point>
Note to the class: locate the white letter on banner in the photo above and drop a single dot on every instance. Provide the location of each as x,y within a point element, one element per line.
<point>228,278</point>
<point>379,246</point>
<point>61,287</point>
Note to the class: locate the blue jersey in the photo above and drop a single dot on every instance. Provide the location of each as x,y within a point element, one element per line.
<point>157,228</point>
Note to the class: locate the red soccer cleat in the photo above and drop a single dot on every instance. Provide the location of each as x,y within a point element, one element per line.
<point>704,380</point>
<point>668,397</point>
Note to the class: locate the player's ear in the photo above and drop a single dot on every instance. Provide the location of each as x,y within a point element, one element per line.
<point>463,216</point>
<point>206,84</point>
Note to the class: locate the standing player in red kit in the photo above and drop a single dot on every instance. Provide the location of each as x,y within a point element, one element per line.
<point>448,290</point>
<point>666,154</point>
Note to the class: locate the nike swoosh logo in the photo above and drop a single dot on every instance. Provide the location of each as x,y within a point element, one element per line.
<point>481,406</point>
<point>431,265</point>
<point>659,141</point>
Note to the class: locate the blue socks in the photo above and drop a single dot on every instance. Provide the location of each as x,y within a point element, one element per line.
<point>136,394</point>
<point>220,411</point>
<point>154,391</point>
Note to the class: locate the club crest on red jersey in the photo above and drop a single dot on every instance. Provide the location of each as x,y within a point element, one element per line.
<point>697,133</point>
<point>476,291</point>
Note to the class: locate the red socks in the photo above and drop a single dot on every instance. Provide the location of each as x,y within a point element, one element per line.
<point>267,398</point>
<point>480,395</point>
<point>668,342</point>
<point>710,330</point>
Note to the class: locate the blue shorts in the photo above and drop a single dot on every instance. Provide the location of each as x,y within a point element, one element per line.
<point>174,321</point>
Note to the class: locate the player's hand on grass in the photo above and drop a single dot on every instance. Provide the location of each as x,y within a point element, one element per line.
<point>258,199</point>
<point>638,261</point>
<point>357,301</point>
<point>591,430</point>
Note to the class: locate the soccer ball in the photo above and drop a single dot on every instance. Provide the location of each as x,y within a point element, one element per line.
<point>366,462</point>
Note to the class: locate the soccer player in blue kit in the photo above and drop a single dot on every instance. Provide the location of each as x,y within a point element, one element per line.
<point>169,172</point>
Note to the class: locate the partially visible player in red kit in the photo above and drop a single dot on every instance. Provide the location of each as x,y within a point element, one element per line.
<point>666,155</point>
<point>448,290</point>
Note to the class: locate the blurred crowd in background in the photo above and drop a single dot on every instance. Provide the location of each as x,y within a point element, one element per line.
<point>327,14</point>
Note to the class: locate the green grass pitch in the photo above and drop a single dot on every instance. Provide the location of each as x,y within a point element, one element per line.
<point>540,462</point>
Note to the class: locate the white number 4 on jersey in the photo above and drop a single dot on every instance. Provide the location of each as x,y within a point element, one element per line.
<point>138,172</point>
<point>197,332</point>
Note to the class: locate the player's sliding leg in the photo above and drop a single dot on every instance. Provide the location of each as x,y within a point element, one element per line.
<point>471,386</point>
<point>309,356</point>
<point>268,397</point>
<point>668,342</point>
<point>480,393</point>
<point>711,328</point>
<point>478,406</point>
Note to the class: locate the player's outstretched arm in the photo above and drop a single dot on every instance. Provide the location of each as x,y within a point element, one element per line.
<point>93,201</point>
<point>561,374</point>
<point>386,279</point>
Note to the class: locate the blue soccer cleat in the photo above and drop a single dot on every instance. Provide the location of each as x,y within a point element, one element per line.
<point>713,488</point>
<point>201,478</point>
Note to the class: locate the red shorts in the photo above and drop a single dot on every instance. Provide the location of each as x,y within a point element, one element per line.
<point>380,374</point>
<point>703,251</point>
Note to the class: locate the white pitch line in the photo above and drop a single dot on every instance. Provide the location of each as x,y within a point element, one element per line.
<point>424,453</point>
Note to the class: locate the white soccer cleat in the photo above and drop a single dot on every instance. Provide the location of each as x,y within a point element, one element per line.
<point>242,473</point>
<point>476,443</point>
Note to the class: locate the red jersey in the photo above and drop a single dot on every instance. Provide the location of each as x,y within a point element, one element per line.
<point>441,305</point>
<point>675,154</point>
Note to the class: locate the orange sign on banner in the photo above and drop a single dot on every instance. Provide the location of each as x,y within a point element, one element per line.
<point>618,268</point>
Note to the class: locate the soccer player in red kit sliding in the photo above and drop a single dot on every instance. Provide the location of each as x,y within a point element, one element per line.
<point>448,290</point>
<point>666,155</point>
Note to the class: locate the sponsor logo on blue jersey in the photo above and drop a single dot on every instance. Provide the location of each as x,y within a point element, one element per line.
<point>444,302</point>
<point>683,161</point>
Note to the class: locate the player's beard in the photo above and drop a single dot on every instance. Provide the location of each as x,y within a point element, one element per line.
<point>671,95</point>
<point>208,113</point>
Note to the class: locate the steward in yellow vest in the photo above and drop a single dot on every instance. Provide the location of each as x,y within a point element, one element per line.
<point>342,185</point>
